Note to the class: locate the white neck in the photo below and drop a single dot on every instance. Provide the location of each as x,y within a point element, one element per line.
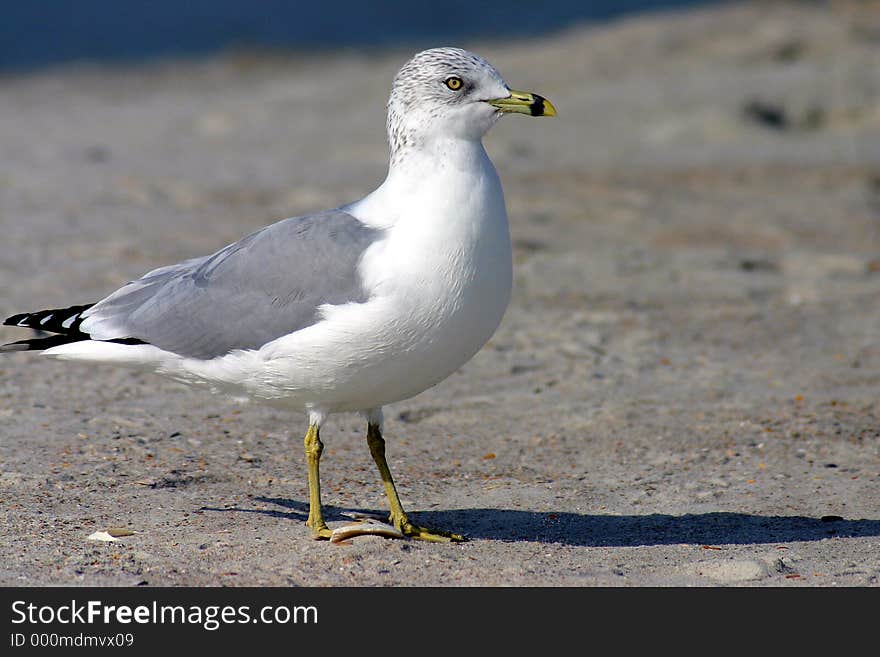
<point>436,155</point>
<point>437,167</point>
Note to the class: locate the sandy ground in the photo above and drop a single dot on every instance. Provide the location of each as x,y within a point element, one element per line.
<point>683,392</point>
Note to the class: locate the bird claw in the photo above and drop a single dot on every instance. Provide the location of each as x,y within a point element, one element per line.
<point>373,527</point>
<point>423,533</point>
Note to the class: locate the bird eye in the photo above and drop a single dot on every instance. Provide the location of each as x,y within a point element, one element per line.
<point>454,83</point>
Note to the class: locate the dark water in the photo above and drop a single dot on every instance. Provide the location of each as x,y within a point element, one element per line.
<point>37,33</point>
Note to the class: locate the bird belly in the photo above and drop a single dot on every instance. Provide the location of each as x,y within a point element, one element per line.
<point>439,290</point>
<point>401,341</point>
<point>437,286</point>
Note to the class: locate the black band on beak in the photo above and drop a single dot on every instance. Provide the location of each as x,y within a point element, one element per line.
<point>537,107</point>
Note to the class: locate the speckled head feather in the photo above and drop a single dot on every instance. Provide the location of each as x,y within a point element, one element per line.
<point>422,103</point>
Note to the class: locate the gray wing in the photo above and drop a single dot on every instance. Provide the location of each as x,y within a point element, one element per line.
<point>260,288</point>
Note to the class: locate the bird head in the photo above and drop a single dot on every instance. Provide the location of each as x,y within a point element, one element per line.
<point>452,93</point>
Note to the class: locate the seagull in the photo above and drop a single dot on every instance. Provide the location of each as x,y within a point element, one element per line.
<point>345,310</point>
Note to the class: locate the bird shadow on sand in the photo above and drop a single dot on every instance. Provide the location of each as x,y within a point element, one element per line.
<point>594,530</point>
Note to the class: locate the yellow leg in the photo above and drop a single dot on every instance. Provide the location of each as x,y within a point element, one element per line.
<point>398,516</point>
<point>314,447</point>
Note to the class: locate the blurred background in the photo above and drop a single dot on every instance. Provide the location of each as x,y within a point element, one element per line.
<point>34,34</point>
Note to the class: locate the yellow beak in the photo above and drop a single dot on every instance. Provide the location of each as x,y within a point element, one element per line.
<point>524,102</point>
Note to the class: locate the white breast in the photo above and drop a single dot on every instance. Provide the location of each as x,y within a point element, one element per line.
<point>439,284</point>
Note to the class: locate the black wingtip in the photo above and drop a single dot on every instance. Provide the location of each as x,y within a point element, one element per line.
<point>39,344</point>
<point>13,346</point>
<point>14,320</point>
<point>54,320</point>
